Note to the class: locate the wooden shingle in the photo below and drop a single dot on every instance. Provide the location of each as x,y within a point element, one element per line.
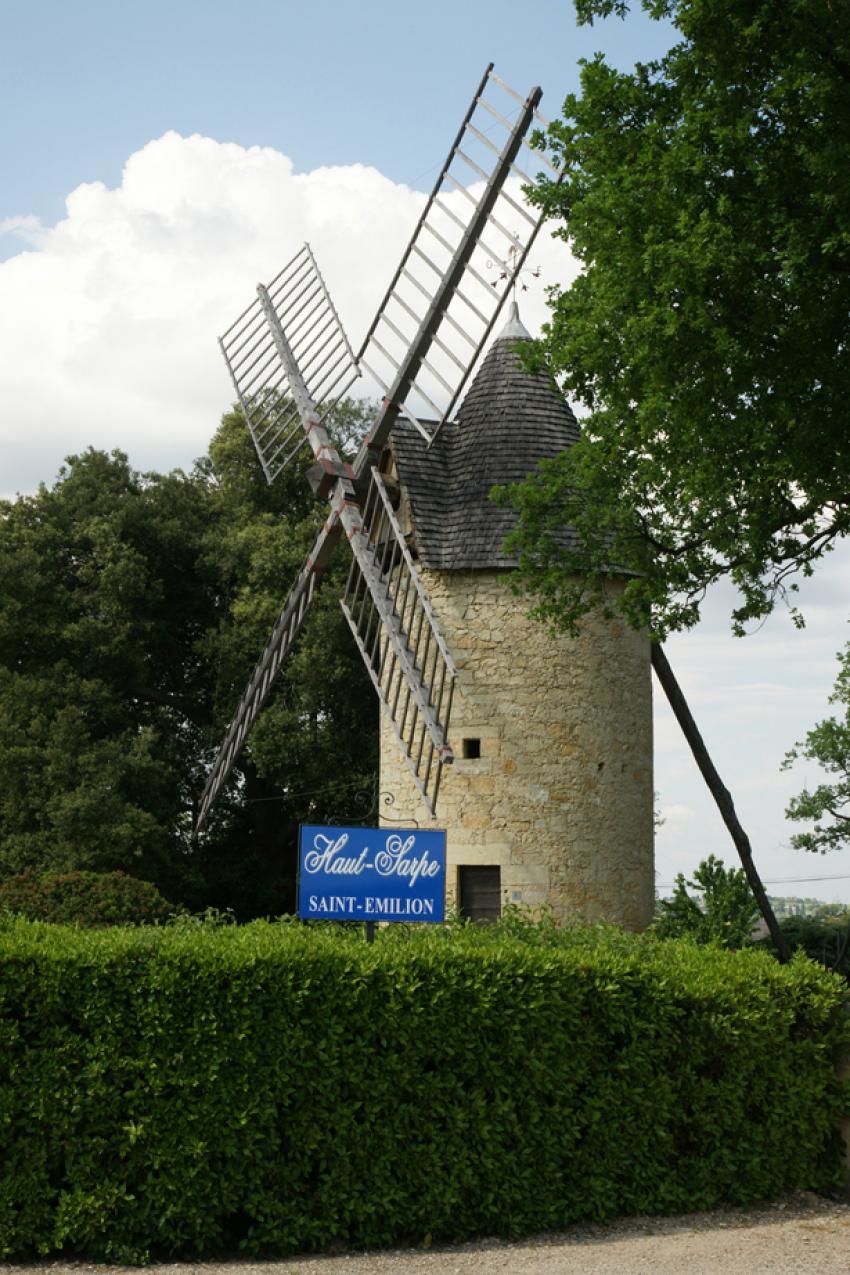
<point>509,420</point>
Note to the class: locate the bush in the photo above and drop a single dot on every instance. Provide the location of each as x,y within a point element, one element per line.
<point>84,898</point>
<point>280,1087</point>
<point>823,941</point>
<point>721,910</point>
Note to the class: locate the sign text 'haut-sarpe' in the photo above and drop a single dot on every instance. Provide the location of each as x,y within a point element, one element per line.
<point>372,874</point>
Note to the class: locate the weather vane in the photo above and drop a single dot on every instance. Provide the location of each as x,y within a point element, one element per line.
<point>509,270</point>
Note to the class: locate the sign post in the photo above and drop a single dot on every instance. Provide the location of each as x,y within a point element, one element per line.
<point>371,875</point>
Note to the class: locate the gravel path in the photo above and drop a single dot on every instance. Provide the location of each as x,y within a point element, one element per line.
<point>800,1234</point>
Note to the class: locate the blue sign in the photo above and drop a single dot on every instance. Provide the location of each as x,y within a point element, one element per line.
<point>371,874</point>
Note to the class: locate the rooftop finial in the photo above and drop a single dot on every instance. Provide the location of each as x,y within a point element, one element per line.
<point>515,329</point>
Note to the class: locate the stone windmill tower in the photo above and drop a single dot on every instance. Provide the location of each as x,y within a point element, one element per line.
<point>550,800</point>
<point>550,797</point>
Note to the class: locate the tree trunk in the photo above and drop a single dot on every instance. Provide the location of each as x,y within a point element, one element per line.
<point>720,794</point>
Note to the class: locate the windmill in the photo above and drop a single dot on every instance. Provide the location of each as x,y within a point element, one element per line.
<point>291,362</point>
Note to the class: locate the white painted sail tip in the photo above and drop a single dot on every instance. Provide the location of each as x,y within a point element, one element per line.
<point>514,329</point>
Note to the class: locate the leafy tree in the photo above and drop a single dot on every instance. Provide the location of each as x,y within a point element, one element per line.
<point>707,197</point>
<point>99,700</point>
<point>831,914</point>
<point>724,912</point>
<point>132,610</point>
<point>828,744</point>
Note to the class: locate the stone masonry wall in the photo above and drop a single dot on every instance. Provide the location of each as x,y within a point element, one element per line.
<point>561,796</point>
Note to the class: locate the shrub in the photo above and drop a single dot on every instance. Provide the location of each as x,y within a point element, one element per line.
<point>84,898</point>
<point>823,941</point>
<point>185,1089</point>
<point>721,910</point>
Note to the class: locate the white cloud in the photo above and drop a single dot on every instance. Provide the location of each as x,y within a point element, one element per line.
<point>108,323</point>
<point>28,228</point>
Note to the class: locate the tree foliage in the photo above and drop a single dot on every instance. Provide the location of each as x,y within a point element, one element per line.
<point>828,804</point>
<point>132,610</point>
<point>707,198</point>
<point>722,909</point>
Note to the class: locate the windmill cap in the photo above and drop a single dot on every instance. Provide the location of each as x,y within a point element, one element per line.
<point>511,418</point>
<point>514,329</point>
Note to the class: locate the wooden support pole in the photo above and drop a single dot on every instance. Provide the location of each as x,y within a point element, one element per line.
<point>843,1071</point>
<point>720,793</point>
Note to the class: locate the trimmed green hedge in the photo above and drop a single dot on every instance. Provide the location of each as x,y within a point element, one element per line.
<point>281,1087</point>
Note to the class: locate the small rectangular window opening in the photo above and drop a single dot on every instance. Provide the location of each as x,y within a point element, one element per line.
<point>480,892</point>
<point>471,748</point>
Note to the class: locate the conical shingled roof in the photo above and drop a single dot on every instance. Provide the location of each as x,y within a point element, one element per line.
<point>509,420</point>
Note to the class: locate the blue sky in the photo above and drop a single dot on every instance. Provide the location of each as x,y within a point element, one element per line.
<point>159,158</point>
<point>84,83</point>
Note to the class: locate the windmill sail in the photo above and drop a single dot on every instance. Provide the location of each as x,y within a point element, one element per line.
<point>396,633</point>
<point>286,630</point>
<point>290,361</point>
<point>298,302</point>
<point>465,253</point>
